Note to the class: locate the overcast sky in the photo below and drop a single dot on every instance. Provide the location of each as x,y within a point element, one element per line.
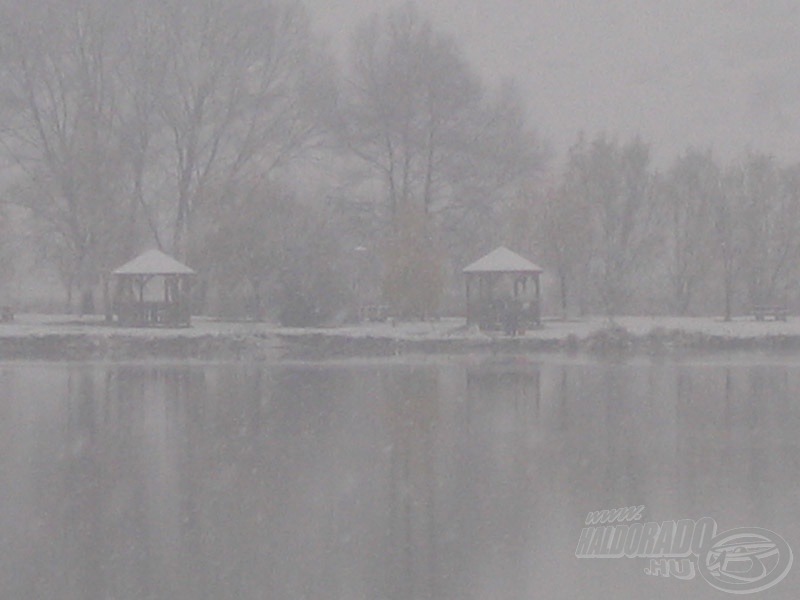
<point>709,73</point>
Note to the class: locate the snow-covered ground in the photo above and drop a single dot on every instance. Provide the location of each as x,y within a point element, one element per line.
<point>36,325</point>
<point>446,328</point>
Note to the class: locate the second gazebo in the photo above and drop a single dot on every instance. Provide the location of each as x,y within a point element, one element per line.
<point>137,304</point>
<point>499,294</point>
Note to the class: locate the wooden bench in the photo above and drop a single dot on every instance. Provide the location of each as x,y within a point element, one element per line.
<point>776,313</point>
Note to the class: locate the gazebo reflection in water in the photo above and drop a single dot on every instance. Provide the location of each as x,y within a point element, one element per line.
<point>503,292</point>
<point>140,302</point>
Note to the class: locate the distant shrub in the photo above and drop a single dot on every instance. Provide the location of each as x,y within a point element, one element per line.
<point>612,339</point>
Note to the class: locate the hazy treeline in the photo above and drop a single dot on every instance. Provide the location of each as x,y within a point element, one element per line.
<point>127,124</point>
<point>224,132</point>
<point>620,236</point>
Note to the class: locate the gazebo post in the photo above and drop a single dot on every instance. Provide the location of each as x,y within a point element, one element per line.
<point>107,308</point>
<point>469,312</point>
<point>538,313</point>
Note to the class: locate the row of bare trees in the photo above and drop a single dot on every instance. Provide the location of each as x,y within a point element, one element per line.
<point>437,156</point>
<point>123,121</point>
<point>221,131</point>
<point>699,238</point>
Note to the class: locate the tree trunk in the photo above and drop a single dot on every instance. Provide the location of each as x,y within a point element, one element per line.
<point>107,300</point>
<point>728,297</point>
<point>258,312</point>
<point>87,301</point>
<point>68,307</point>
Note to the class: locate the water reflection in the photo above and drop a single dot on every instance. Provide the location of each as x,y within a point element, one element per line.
<point>468,479</point>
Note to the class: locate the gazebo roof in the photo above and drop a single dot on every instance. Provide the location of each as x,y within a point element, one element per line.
<point>502,260</point>
<point>154,262</point>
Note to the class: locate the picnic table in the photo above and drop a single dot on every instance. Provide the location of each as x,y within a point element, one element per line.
<point>776,313</point>
<point>374,312</point>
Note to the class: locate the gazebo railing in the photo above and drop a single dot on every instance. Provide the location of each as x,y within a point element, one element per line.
<point>153,314</point>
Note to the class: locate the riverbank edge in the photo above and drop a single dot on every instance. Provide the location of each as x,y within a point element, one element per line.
<point>609,342</point>
<point>317,345</point>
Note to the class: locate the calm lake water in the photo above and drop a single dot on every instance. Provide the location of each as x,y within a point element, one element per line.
<point>465,478</point>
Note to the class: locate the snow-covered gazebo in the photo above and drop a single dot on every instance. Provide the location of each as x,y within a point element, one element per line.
<point>139,305</point>
<point>516,305</point>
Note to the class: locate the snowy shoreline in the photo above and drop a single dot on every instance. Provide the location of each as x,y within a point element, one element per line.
<point>60,338</point>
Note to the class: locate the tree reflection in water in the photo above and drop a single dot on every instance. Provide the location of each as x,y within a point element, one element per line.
<point>469,478</point>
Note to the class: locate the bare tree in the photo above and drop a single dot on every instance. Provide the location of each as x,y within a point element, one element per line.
<point>728,229</point>
<point>770,213</point>
<point>498,159</point>
<point>60,106</point>
<point>124,119</point>
<point>615,184</point>
<point>418,117</point>
<point>243,85</point>
<point>688,193</point>
<point>430,143</point>
<point>788,234</point>
<point>6,255</point>
<point>399,109</point>
<point>563,229</point>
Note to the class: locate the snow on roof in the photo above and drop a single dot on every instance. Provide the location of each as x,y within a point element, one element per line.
<point>154,262</point>
<point>502,260</point>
